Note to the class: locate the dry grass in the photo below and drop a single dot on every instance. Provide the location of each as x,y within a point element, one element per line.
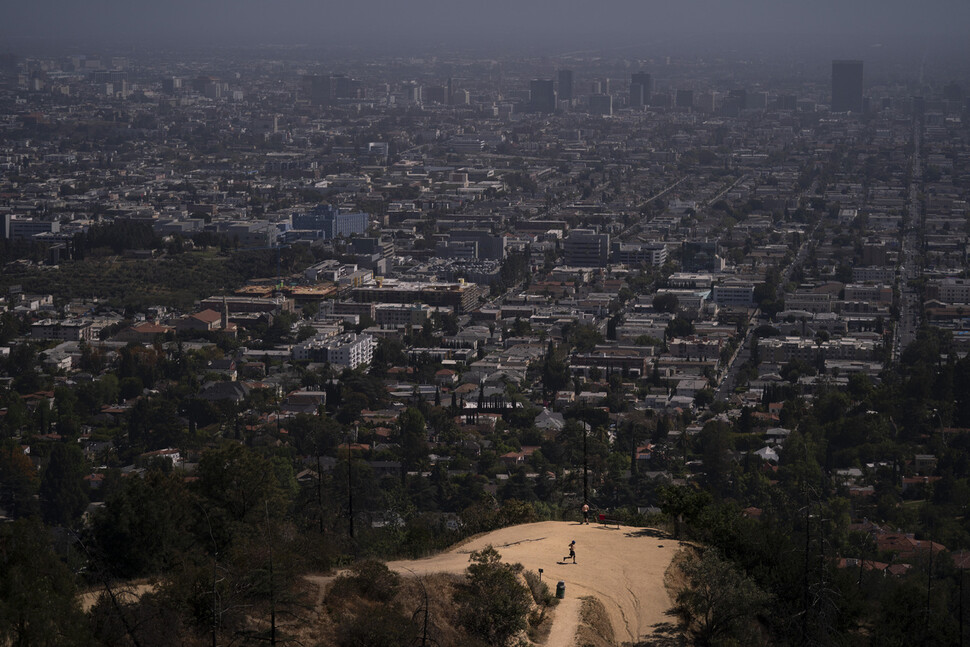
<point>414,595</point>
<point>443,622</point>
<point>595,628</point>
<point>674,580</point>
<point>540,624</point>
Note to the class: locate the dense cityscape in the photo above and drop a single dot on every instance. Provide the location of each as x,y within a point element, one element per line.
<point>272,315</point>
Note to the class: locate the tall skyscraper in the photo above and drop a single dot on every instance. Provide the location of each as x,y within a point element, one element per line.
<point>636,95</point>
<point>542,95</point>
<point>846,86</point>
<point>435,94</point>
<point>684,99</point>
<point>344,87</point>
<point>600,104</point>
<point>318,89</point>
<point>565,78</point>
<point>640,96</point>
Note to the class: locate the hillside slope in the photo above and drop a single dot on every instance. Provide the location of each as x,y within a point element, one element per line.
<point>624,568</point>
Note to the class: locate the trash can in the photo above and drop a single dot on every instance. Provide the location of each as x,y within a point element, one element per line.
<point>561,590</point>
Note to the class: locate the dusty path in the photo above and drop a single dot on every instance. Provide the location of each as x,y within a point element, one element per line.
<point>565,623</point>
<point>622,567</point>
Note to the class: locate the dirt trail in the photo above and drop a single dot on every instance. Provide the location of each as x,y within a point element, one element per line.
<point>565,623</point>
<point>622,567</point>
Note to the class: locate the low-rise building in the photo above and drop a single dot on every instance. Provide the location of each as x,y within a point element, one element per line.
<point>348,350</point>
<point>869,293</point>
<point>392,315</point>
<point>461,296</point>
<point>734,295</point>
<point>954,290</point>
<point>68,330</point>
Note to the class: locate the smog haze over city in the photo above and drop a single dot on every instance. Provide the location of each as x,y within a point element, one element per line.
<point>503,26</point>
<point>615,323</point>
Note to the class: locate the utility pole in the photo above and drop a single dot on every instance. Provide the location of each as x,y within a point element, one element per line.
<point>585,466</point>
<point>272,588</point>
<point>805,604</point>
<point>350,490</point>
<point>929,587</point>
<point>320,490</point>
<point>960,575</point>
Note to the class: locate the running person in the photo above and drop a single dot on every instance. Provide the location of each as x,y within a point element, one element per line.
<point>572,552</point>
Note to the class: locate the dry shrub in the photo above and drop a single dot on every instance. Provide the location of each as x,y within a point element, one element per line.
<point>443,615</point>
<point>369,579</point>
<point>540,590</point>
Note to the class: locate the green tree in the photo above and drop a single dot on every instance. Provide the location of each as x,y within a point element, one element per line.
<point>38,599</point>
<point>666,302</point>
<point>718,604</point>
<point>63,497</point>
<point>715,446</point>
<point>142,526</point>
<point>414,437</point>
<point>240,481</point>
<point>555,370</point>
<point>18,482</point>
<point>584,338</point>
<point>683,503</point>
<point>679,327</point>
<point>493,603</point>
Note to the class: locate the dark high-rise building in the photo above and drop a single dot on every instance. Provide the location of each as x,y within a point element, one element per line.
<point>919,105</point>
<point>636,95</point>
<point>953,91</point>
<point>435,94</point>
<point>600,104</point>
<point>685,99</point>
<point>735,101</point>
<point>8,65</point>
<point>786,102</point>
<point>586,248</point>
<point>318,89</point>
<point>344,87</point>
<point>171,84</point>
<point>542,95</point>
<point>846,86</point>
<point>640,96</point>
<point>565,78</point>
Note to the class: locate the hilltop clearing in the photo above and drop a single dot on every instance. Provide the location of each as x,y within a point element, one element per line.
<point>622,567</point>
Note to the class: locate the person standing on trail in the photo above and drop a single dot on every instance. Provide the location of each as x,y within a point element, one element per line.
<point>586,513</point>
<point>572,552</point>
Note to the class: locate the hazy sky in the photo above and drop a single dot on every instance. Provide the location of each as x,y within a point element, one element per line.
<point>503,22</point>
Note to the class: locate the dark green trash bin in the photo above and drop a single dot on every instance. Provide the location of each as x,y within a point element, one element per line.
<point>561,590</point>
